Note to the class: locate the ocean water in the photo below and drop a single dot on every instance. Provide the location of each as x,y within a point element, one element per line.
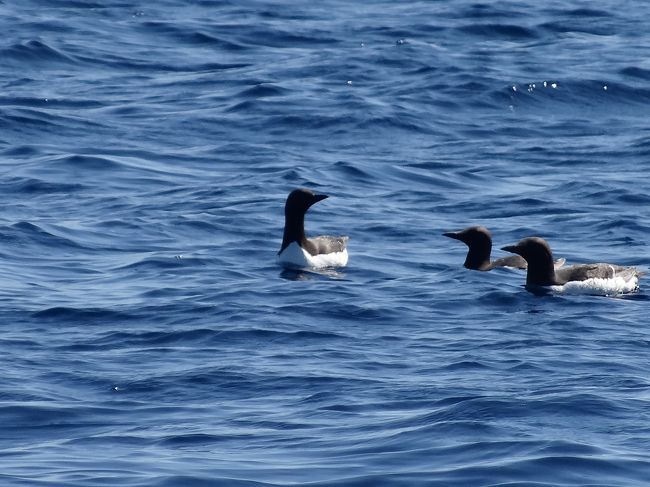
<point>148,336</point>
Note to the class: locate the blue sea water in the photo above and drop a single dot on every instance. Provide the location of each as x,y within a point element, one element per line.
<point>147,335</point>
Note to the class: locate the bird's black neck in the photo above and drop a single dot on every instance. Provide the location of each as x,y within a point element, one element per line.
<point>294,230</point>
<point>541,272</point>
<point>478,256</point>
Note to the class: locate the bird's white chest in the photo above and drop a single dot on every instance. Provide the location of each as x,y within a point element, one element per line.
<point>296,257</point>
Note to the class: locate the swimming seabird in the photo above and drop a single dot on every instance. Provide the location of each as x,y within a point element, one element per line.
<point>599,278</point>
<point>479,242</point>
<point>299,251</point>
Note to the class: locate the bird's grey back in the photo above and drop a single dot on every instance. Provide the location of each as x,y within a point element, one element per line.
<point>515,261</point>
<point>325,244</point>
<point>582,272</point>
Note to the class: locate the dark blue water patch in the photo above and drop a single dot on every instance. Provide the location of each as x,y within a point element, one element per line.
<point>36,52</point>
<point>532,206</point>
<point>141,65</point>
<point>206,481</point>
<point>45,419</point>
<point>585,25</point>
<point>585,20</point>
<point>126,225</point>
<point>303,122</point>
<point>91,165</point>
<point>264,90</point>
<point>29,235</point>
<point>196,440</point>
<point>246,106</point>
<point>161,263</point>
<point>192,37</point>
<point>388,34</point>
<point>500,31</point>
<point>558,470</point>
<point>352,172</point>
<point>65,4</point>
<point>33,122</point>
<point>228,384</point>
<point>487,11</point>
<point>626,197</point>
<point>81,315</point>
<point>20,151</point>
<point>288,12</point>
<point>49,26</point>
<point>587,12</point>
<point>280,38</point>
<point>636,72</point>
<point>217,3</point>
<point>308,275</point>
<point>499,299</point>
<point>619,224</point>
<point>210,337</point>
<point>48,103</point>
<point>466,365</point>
<point>37,186</point>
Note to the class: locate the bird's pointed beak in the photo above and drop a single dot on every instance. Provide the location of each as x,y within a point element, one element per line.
<point>511,248</point>
<point>453,235</point>
<point>319,197</point>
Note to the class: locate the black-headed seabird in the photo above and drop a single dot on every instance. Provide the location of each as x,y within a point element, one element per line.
<point>299,251</point>
<point>479,242</point>
<point>597,278</point>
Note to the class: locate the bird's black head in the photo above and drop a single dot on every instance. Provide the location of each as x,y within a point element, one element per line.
<point>532,249</point>
<point>299,201</point>
<point>537,252</point>
<point>472,236</point>
<point>479,241</point>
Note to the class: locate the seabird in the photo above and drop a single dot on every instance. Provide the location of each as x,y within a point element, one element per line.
<point>298,251</point>
<point>597,278</point>
<point>479,242</point>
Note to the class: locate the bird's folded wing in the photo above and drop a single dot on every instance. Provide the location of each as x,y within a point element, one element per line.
<point>326,245</point>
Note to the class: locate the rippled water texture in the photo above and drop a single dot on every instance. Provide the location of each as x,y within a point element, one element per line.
<point>148,336</point>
